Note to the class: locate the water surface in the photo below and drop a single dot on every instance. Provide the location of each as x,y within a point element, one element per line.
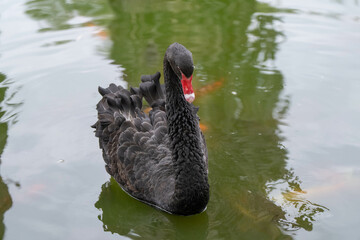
<point>277,83</point>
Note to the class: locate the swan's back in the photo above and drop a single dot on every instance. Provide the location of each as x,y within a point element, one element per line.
<point>134,144</point>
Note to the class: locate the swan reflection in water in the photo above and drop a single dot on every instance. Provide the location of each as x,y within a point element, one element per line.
<point>128,217</point>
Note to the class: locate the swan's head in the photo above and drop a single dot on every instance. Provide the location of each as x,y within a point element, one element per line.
<point>181,62</point>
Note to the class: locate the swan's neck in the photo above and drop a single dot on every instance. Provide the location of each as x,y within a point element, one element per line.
<point>183,125</point>
<point>184,134</point>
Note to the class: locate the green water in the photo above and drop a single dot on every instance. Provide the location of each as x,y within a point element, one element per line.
<point>278,87</point>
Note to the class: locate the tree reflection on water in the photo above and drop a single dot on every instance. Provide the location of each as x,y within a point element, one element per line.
<point>5,198</point>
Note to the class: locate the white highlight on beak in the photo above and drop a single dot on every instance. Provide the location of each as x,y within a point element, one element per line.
<point>190,97</point>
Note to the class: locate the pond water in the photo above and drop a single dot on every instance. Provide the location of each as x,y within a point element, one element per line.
<point>278,87</point>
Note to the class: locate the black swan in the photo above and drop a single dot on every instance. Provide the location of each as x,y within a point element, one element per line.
<point>160,158</point>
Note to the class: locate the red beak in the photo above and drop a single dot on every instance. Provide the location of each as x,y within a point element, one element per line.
<point>187,88</point>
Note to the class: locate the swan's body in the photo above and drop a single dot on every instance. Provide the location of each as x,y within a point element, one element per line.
<point>160,158</point>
